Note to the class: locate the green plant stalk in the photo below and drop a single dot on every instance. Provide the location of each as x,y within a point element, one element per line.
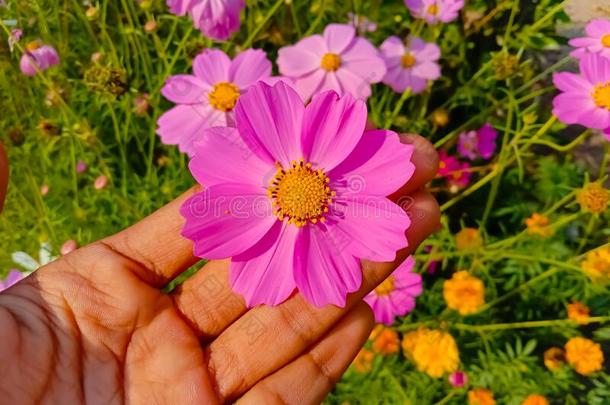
<point>248,42</point>
<point>526,325</point>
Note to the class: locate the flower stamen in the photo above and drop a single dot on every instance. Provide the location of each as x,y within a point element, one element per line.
<point>433,9</point>
<point>386,287</point>
<point>224,96</point>
<point>300,194</point>
<point>407,60</point>
<point>606,40</point>
<point>330,62</point>
<point>601,95</point>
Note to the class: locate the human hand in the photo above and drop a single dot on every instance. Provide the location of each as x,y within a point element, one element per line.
<point>95,327</point>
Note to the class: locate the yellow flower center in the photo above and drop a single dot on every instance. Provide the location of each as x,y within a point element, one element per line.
<point>606,40</point>
<point>601,95</point>
<point>32,46</point>
<point>433,9</point>
<point>408,60</point>
<point>224,96</point>
<point>386,287</point>
<point>300,194</point>
<point>330,62</point>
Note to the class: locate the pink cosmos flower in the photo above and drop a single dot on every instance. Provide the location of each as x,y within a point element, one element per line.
<point>100,182</point>
<point>207,98</point>
<point>455,172</point>
<point>596,41</point>
<point>336,60</point>
<point>585,97</point>
<point>410,66</point>
<point>14,37</point>
<point>38,57</point>
<point>361,23</point>
<point>217,19</point>
<point>475,144</point>
<point>295,195</point>
<point>81,167</point>
<point>396,295</point>
<point>13,277</point>
<point>458,379</point>
<point>435,11</point>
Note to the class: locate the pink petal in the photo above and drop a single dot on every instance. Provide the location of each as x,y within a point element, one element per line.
<point>185,89</point>
<point>302,58</point>
<point>332,127</point>
<point>264,273</point>
<point>324,274</point>
<point>222,156</point>
<point>584,42</point>
<point>225,220</point>
<point>430,52</point>
<point>249,67</point>
<point>270,120</point>
<point>338,37</point>
<point>568,107</point>
<point>13,277</point>
<point>597,118</point>
<point>217,19</point>
<point>595,68</point>
<point>566,81</point>
<point>353,84</point>
<point>310,84</point>
<point>598,27</point>
<point>179,7</point>
<point>212,66</point>
<point>362,59</point>
<point>382,308</point>
<point>379,165</point>
<point>427,70</point>
<point>418,84</point>
<point>184,124</point>
<point>375,225</point>
<point>393,47</point>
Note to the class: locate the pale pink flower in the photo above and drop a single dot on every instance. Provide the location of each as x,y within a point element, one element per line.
<point>395,296</point>
<point>100,182</point>
<point>435,11</point>
<point>206,98</point>
<point>336,60</point>
<point>68,247</point>
<point>596,41</point>
<point>410,66</point>
<point>13,277</point>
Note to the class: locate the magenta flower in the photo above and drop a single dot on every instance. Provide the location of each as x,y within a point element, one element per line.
<point>38,58</point>
<point>81,167</point>
<point>207,98</point>
<point>455,172</point>
<point>217,19</point>
<point>585,97</point>
<point>336,60</point>
<point>13,277</point>
<point>296,195</point>
<point>475,144</point>
<point>435,11</point>
<point>597,40</point>
<point>410,66</point>
<point>458,379</point>
<point>396,295</point>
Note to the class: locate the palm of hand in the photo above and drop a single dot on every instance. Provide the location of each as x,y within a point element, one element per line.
<point>95,327</point>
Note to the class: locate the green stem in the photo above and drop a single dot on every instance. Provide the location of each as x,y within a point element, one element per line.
<point>260,26</point>
<point>526,325</point>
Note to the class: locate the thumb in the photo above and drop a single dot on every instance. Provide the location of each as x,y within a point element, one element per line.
<point>3,176</point>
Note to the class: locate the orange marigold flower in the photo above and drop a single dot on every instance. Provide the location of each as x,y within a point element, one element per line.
<point>481,396</point>
<point>578,312</point>
<point>434,352</point>
<point>554,358</point>
<point>464,293</point>
<point>584,355</point>
<point>535,399</point>
<point>538,224</point>
<point>593,198</point>
<point>597,264</point>
<point>468,238</point>
<point>386,342</point>
<point>364,360</point>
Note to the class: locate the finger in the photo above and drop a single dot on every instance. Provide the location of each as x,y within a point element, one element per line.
<point>155,242</point>
<point>425,160</point>
<point>295,324</point>
<point>309,378</point>
<point>4,171</point>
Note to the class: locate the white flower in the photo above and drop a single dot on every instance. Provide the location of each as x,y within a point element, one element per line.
<point>29,263</point>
